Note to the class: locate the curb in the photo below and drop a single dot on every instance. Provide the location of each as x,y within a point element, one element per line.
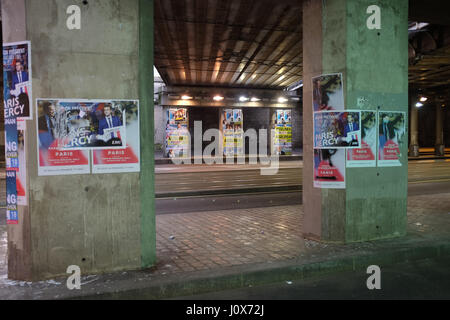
<point>226,191</point>
<point>281,158</point>
<point>261,275</point>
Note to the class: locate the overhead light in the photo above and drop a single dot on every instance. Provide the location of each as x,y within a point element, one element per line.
<point>282,100</point>
<point>419,104</point>
<point>254,99</point>
<point>243,99</point>
<point>186,97</point>
<point>423,99</point>
<point>218,98</point>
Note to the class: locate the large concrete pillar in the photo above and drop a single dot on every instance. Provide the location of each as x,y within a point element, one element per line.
<point>439,144</point>
<point>374,64</point>
<point>101,222</point>
<point>414,129</point>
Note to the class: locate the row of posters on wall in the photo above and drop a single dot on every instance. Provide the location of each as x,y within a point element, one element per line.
<point>282,142</point>
<point>233,132</point>
<point>351,138</point>
<point>177,137</point>
<point>73,135</point>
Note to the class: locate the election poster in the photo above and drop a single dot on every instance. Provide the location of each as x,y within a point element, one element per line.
<point>17,89</point>
<point>329,168</point>
<point>328,92</point>
<point>177,134</point>
<point>12,166</point>
<point>21,177</point>
<point>282,141</point>
<point>12,213</point>
<point>121,160</point>
<point>337,129</point>
<point>391,137</point>
<point>365,157</point>
<point>233,132</point>
<point>80,124</point>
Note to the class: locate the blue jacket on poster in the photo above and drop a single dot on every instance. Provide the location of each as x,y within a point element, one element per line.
<point>347,128</point>
<point>16,80</point>
<point>103,124</point>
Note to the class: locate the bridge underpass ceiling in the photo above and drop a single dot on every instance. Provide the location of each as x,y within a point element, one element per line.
<point>258,43</point>
<point>232,43</point>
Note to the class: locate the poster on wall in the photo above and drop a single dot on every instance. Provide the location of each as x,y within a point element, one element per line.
<point>80,124</point>
<point>391,137</point>
<point>337,129</point>
<point>329,168</point>
<point>233,132</point>
<point>328,92</point>
<point>177,133</point>
<point>365,157</point>
<point>121,160</point>
<point>12,213</point>
<point>21,176</point>
<point>282,142</point>
<point>12,167</point>
<point>17,88</point>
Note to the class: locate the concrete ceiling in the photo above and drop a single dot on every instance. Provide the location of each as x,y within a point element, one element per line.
<point>229,43</point>
<point>258,43</point>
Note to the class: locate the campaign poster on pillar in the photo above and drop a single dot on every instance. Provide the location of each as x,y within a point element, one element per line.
<point>177,142</point>
<point>12,214</point>
<point>365,157</point>
<point>81,124</point>
<point>21,176</point>
<point>337,129</point>
<point>122,160</point>
<point>391,137</point>
<point>329,168</point>
<point>12,167</point>
<point>54,123</point>
<point>328,92</point>
<point>17,89</point>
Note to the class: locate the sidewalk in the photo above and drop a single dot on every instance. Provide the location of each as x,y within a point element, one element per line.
<point>210,251</point>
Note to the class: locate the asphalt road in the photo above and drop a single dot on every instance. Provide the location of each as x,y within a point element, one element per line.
<point>425,177</point>
<point>426,279</point>
<point>185,180</point>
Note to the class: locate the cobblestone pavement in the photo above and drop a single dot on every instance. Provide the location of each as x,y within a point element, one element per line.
<point>207,240</point>
<point>213,240</point>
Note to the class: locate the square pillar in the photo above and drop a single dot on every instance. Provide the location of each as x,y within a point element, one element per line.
<point>100,222</point>
<point>339,37</point>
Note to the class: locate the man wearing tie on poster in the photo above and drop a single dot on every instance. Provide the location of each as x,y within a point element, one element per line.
<point>350,127</point>
<point>19,76</point>
<point>109,121</point>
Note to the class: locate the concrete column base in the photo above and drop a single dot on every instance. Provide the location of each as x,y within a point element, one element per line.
<point>414,150</point>
<point>439,150</point>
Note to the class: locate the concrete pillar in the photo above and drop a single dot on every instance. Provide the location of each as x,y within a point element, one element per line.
<point>374,64</point>
<point>414,129</point>
<point>102,222</point>
<point>439,145</point>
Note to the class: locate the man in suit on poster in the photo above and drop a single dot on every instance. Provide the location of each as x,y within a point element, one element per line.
<point>19,76</point>
<point>109,121</point>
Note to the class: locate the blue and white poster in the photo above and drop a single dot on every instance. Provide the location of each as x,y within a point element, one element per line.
<point>17,89</point>
<point>12,215</point>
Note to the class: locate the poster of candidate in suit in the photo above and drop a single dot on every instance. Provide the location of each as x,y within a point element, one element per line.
<point>337,129</point>
<point>121,160</point>
<point>365,156</point>
<point>17,89</point>
<point>391,137</point>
